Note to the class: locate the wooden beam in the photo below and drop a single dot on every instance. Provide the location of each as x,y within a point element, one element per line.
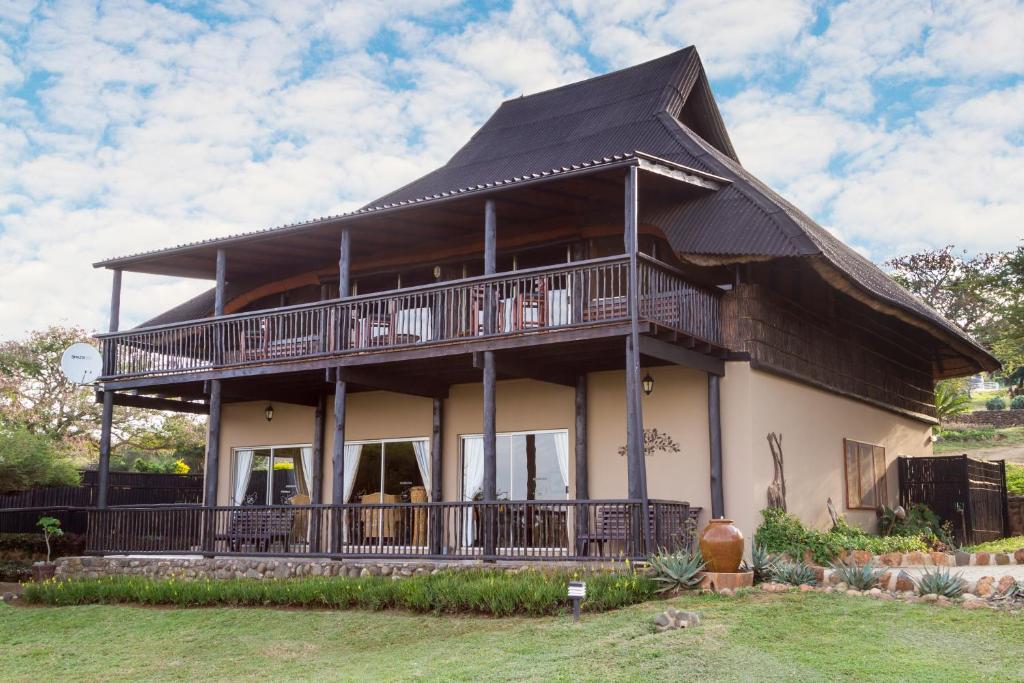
<point>715,444</point>
<point>582,475</point>
<point>154,403</point>
<point>212,446</point>
<point>387,382</point>
<point>338,455</point>
<point>222,271</point>
<point>345,264</point>
<point>511,367</point>
<point>678,355</point>
<point>316,486</point>
<point>436,474</point>
<point>107,416</point>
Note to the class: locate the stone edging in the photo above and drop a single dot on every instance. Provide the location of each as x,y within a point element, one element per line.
<point>934,559</point>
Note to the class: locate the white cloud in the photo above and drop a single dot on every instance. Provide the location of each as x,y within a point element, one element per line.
<point>154,127</point>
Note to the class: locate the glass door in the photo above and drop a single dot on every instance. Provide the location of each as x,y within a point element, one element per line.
<point>390,472</point>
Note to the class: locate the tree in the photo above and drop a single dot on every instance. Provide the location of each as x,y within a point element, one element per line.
<point>966,290</point>
<point>30,461</point>
<point>36,397</point>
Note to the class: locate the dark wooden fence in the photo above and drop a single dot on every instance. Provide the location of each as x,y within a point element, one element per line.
<point>507,530</point>
<point>971,494</point>
<point>19,512</point>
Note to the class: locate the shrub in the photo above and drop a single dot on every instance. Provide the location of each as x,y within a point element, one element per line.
<point>950,400</point>
<point>1017,403</point>
<point>1014,479</point>
<point>995,403</point>
<point>495,593</point>
<point>33,546</point>
<point>940,581</point>
<point>919,521</point>
<point>676,571</point>
<point>15,572</point>
<point>862,578</point>
<point>30,461</point>
<point>784,534</point>
<point>794,573</point>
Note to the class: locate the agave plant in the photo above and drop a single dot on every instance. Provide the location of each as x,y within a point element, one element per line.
<point>761,563</point>
<point>676,571</point>
<point>862,578</point>
<point>940,581</point>
<point>1013,592</point>
<point>794,573</point>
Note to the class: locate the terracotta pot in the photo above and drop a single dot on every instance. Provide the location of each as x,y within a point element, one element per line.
<point>721,544</point>
<point>42,571</point>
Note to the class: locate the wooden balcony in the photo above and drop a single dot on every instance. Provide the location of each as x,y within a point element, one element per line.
<point>536,302</point>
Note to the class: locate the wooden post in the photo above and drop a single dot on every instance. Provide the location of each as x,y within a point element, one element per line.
<point>490,488</point>
<point>637,472</point>
<point>213,429</point>
<point>436,459</point>
<point>340,397</point>
<point>316,486</point>
<point>582,477</point>
<point>107,417</point>
<point>715,442</point>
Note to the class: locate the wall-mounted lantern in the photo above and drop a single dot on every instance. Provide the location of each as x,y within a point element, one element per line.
<point>648,384</point>
<point>268,412</point>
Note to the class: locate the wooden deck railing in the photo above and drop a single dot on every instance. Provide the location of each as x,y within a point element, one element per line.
<point>535,300</point>
<point>506,530</point>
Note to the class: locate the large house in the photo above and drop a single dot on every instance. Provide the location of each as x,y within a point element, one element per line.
<point>591,316</point>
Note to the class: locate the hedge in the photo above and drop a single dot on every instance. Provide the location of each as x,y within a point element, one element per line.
<point>495,593</point>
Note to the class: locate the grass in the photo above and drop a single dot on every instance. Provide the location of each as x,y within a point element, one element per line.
<point>800,637</point>
<point>979,398</point>
<point>963,440</point>
<point>1003,545</point>
<point>492,593</point>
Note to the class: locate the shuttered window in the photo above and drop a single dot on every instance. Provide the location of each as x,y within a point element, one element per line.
<point>865,475</point>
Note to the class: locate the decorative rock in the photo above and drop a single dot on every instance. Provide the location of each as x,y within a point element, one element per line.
<point>941,559</point>
<point>804,587</point>
<point>914,559</point>
<point>884,580</point>
<point>981,559</point>
<point>890,559</point>
<point>1002,558</point>
<point>942,600</point>
<point>853,591</point>
<point>772,587</point>
<point>967,597</point>
<point>875,592</point>
<point>903,582</point>
<point>984,587</point>
<point>962,559</point>
<point>727,592</point>
<point>861,557</point>
<point>975,604</point>
<point>929,597</point>
<point>1019,556</point>
<point>1005,583</point>
<point>673,618</point>
<point>841,587</point>
<point>9,596</point>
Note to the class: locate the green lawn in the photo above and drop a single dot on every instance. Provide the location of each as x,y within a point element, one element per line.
<point>963,440</point>
<point>757,637</point>
<point>979,398</point>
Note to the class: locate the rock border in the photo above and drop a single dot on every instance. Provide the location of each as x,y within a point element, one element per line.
<point>934,559</point>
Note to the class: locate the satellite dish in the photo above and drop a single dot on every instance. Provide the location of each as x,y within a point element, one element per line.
<point>81,363</point>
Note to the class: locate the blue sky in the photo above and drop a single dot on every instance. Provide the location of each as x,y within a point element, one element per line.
<point>130,125</point>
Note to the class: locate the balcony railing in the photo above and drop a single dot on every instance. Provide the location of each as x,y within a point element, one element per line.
<point>557,297</point>
<point>505,530</point>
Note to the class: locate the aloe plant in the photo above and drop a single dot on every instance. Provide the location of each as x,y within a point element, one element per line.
<point>940,581</point>
<point>761,563</point>
<point>676,571</point>
<point>862,578</point>
<point>794,573</point>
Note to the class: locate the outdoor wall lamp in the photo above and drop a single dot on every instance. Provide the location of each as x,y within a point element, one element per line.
<point>648,384</point>
<point>269,412</point>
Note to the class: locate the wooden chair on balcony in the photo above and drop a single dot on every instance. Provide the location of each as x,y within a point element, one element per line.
<point>530,307</point>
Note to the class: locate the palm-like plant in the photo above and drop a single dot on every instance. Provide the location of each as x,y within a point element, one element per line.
<point>676,571</point>
<point>950,400</point>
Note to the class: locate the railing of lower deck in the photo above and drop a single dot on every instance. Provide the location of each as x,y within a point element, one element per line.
<point>507,530</point>
<point>548,298</point>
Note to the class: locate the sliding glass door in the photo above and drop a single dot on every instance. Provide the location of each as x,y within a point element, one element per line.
<point>388,472</point>
<point>272,475</point>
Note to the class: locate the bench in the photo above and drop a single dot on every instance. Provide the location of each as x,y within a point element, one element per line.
<point>260,528</point>
<point>613,523</point>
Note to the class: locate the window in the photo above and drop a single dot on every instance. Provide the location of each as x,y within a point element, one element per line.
<point>865,475</point>
<point>389,471</point>
<point>530,466</point>
<point>272,475</point>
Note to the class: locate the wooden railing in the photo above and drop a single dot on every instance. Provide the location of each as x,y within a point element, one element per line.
<point>505,530</point>
<point>539,299</point>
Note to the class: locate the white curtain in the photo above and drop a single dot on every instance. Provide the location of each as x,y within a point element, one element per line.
<point>307,470</point>
<point>352,453</point>
<point>243,470</point>
<point>562,454</point>
<point>472,478</point>
<point>423,462</point>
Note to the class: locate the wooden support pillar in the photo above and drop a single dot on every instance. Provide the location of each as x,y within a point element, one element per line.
<point>490,488</point>
<point>316,486</point>
<point>715,442</point>
<point>637,471</point>
<point>212,473</point>
<point>582,476</point>
<point>107,417</point>
<point>436,476</point>
<point>340,398</point>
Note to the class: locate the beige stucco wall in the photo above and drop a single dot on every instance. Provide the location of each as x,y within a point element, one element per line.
<point>813,424</point>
